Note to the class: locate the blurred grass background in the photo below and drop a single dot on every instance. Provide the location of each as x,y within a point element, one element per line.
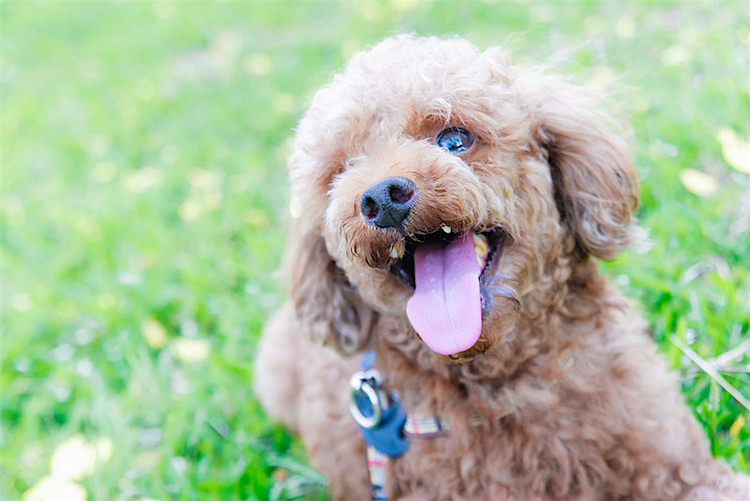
<point>143,213</point>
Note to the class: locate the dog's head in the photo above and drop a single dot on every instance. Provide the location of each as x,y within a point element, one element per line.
<point>436,183</point>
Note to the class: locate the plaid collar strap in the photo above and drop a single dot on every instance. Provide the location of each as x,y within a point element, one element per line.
<point>415,425</point>
<point>384,423</point>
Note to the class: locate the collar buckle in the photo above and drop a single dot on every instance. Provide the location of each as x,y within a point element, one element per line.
<point>367,399</point>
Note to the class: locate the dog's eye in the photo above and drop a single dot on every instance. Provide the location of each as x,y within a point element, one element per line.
<point>454,139</point>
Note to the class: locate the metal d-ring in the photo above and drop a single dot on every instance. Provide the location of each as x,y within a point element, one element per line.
<point>367,384</point>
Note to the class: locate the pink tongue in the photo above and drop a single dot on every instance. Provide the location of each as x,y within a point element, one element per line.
<point>446,309</point>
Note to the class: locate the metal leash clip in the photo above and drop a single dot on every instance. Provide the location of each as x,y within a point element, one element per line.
<point>367,400</point>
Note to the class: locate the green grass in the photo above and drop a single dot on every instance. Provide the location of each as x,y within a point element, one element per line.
<point>144,204</point>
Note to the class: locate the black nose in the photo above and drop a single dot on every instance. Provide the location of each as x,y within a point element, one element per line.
<point>387,202</point>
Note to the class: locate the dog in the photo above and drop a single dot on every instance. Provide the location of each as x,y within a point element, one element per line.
<point>449,210</point>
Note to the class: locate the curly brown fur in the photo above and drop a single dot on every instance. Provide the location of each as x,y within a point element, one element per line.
<point>576,403</point>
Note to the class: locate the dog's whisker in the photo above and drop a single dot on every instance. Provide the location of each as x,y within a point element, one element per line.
<point>503,291</point>
<point>504,277</point>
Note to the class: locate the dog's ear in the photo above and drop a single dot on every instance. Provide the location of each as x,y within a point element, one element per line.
<point>595,183</point>
<point>328,306</point>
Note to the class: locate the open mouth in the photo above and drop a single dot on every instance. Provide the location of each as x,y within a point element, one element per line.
<point>451,275</point>
<point>488,247</point>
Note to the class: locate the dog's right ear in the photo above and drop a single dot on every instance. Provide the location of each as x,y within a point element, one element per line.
<point>328,306</point>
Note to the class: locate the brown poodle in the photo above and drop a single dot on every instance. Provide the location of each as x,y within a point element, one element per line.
<point>448,210</point>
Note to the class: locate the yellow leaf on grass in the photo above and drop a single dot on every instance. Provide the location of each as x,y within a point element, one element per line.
<point>76,458</point>
<point>190,350</point>
<point>738,424</point>
<point>700,183</point>
<point>154,333</point>
<point>55,489</point>
<point>190,209</point>
<point>736,151</point>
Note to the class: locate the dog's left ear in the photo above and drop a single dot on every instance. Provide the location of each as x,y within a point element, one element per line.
<point>595,183</point>
<point>328,306</point>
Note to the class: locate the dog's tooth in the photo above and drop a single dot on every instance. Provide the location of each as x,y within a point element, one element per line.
<point>480,245</point>
<point>397,251</point>
<point>446,228</point>
<point>481,248</point>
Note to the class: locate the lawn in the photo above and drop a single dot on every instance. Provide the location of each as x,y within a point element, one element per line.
<point>144,211</point>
